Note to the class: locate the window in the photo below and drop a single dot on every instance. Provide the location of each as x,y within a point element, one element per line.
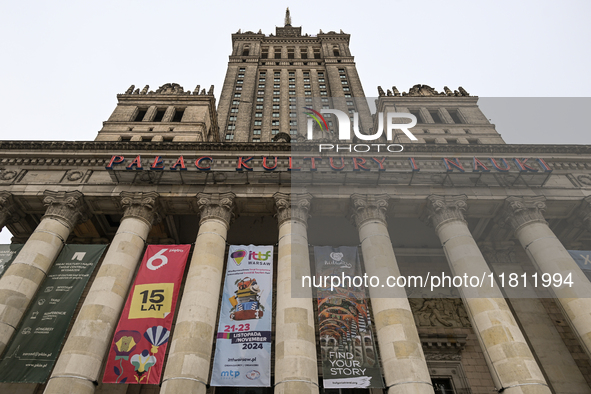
<point>245,50</point>
<point>330,123</point>
<point>343,76</point>
<point>306,74</point>
<point>327,115</point>
<point>344,83</point>
<point>304,53</point>
<point>275,114</point>
<point>455,116</point>
<point>292,92</point>
<point>275,131</point>
<point>276,86</point>
<point>258,115</point>
<point>276,92</point>
<point>265,53</point>
<point>335,51</point>
<point>416,113</point>
<point>325,107</point>
<point>239,81</point>
<point>274,123</point>
<point>261,86</point>
<point>292,86</point>
<point>262,74</point>
<point>293,122</point>
<point>290,53</point>
<point>346,89</point>
<point>324,100</point>
<point>350,103</point>
<point>229,136</point>
<point>322,86</point>
<point>308,93</point>
<point>341,70</point>
<point>275,99</point>
<point>235,102</point>
<point>292,107</point>
<point>323,93</point>
<point>231,127</point>
<point>240,75</point>
<point>292,73</point>
<point>258,122</point>
<point>351,111</point>
<point>259,107</point>
<point>316,53</point>
<point>140,115</point>
<point>307,86</point>
<point>277,80</point>
<point>159,115</point>
<point>238,87</point>
<point>261,79</point>
<point>278,54</point>
<point>234,110</point>
<point>293,131</point>
<point>242,69</point>
<point>232,119</point>
<point>261,92</point>
<point>320,75</point>
<point>292,99</point>
<point>260,99</point>
<point>256,140</point>
<point>308,99</point>
<point>291,79</point>
<point>277,74</point>
<point>276,106</point>
<point>236,94</point>
<point>293,115</point>
<point>347,95</point>
<point>435,116</point>
<point>256,131</point>
<point>320,79</point>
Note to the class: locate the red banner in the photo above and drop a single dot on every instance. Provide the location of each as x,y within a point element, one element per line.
<point>142,335</point>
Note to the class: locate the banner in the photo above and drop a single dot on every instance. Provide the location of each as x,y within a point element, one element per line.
<point>583,260</point>
<point>243,347</point>
<point>35,346</point>
<point>349,356</point>
<point>141,337</point>
<point>7,255</point>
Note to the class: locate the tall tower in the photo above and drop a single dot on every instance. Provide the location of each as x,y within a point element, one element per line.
<point>268,74</point>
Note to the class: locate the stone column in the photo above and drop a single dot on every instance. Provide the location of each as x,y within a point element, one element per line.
<point>561,371</point>
<point>22,279</point>
<point>79,364</point>
<point>189,358</point>
<point>9,212</point>
<point>510,360</point>
<point>296,367</point>
<point>403,361</point>
<point>524,215</point>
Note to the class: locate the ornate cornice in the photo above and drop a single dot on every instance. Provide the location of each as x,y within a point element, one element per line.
<point>520,211</point>
<point>110,146</point>
<point>216,206</point>
<point>366,207</point>
<point>443,209</point>
<point>292,207</point>
<point>66,207</point>
<point>143,206</point>
<point>9,211</point>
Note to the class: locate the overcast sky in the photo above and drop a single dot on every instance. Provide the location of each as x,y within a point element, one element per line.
<point>63,62</point>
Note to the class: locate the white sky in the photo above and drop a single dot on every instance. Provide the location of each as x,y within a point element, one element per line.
<point>63,62</point>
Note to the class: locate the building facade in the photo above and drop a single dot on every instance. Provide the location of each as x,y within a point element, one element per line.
<point>168,167</point>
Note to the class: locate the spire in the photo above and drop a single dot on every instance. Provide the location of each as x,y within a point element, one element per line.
<point>287,18</point>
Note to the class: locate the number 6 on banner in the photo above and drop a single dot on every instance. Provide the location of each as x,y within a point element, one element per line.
<point>157,256</point>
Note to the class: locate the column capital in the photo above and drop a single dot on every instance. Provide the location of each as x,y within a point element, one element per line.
<point>443,209</point>
<point>366,207</point>
<point>216,206</point>
<point>141,206</point>
<point>520,211</point>
<point>292,207</point>
<point>68,208</point>
<point>9,211</point>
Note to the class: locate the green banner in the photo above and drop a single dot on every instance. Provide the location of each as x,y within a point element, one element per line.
<point>38,339</point>
<point>7,255</point>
